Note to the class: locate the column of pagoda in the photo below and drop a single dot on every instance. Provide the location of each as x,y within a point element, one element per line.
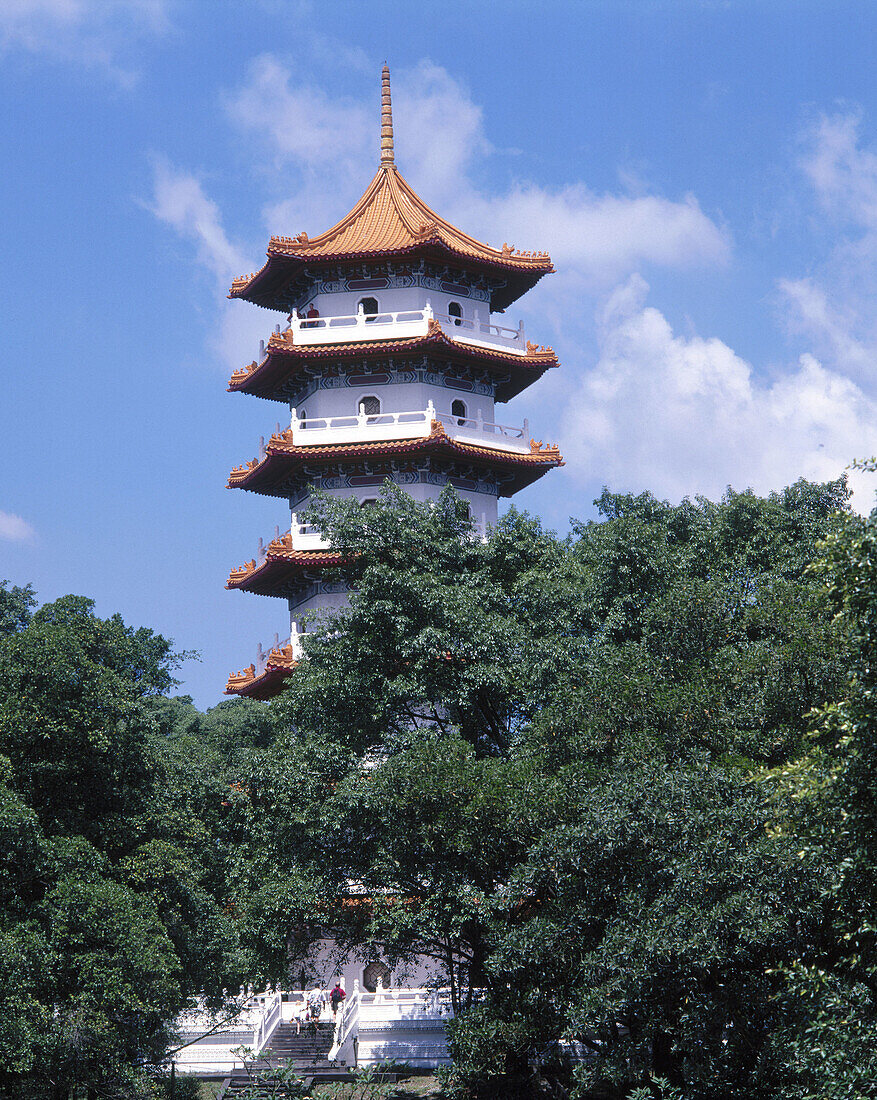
<point>391,365</point>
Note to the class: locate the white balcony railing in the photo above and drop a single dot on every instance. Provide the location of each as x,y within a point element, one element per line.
<point>386,426</point>
<point>401,325</point>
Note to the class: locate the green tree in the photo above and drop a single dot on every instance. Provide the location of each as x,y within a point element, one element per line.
<point>111,892</point>
<point>552,767</point>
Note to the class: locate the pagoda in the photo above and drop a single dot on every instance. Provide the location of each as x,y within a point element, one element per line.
<point>392,366</point>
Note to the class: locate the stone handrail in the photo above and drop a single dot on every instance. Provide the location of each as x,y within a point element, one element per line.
<point>401,324</point>
<point>346,1024</point>
<point>267,1022</point>
<point>384,426</point>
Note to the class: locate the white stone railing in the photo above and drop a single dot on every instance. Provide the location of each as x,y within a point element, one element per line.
<point>268,1021</point>
<point>305,536</point>
<point>387,1016</point>
<point>211,1048</point>
<point>403,324</point>
<point>386,426</point>
<point>346,1026</point>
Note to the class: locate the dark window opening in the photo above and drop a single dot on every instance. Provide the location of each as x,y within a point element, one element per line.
<point>455,310</point>
<point>373,972</point>
<point>369,307</point>
<point>458,409</point>
<point>370,406</point>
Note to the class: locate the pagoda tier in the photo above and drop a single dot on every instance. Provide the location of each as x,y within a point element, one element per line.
<point>288,466</point>
<point>283,570</point>
<point>291,362</point>
<point>266,682</point>
<point>390,222</point>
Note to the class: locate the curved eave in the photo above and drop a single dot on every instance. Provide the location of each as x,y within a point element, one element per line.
<point>281,567</point>
<point>284,359</point>
<point>264,287</point>
<point>283,460</point>
<point>264,686</point>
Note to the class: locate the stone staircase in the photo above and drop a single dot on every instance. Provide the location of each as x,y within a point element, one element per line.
<point>305,1052</point>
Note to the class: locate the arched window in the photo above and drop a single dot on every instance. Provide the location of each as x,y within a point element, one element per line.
<point>458,409</point>
<point>302,416</point>
<point>370,406</point>
<point>369,307</point>
<point>455,310</point>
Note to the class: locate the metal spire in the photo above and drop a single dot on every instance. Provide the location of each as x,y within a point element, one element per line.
<point>386,120</point>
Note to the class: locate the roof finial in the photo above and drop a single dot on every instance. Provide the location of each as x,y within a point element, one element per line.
<point>386,119</point>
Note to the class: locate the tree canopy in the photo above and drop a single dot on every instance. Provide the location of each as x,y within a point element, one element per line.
<point>558,768</point>
<point>616,788</point>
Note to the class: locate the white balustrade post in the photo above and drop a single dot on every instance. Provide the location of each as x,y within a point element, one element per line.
<point>520,335</point>
<point>261,447</point>
<point>293,526</point>
<point>261,350</point>
<point>361,418</point>
<point>428,311</point>
<point>430,411</point>
<point>479,420</point>
<point>526,429</point>
<point>293,419</point>
<point>360,315</point>
<point>261,552</point>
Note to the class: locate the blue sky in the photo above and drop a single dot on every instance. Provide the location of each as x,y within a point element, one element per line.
<point>703,174</point>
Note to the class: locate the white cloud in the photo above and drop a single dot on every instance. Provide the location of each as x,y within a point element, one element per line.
<point>97,34</point>
<point>14,529</point>
<point>179,201</point>
<point>685,415</point>
<point>331,148</point>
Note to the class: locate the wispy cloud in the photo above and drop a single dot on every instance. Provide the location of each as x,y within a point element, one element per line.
<point>833,306</point>
<point>96,34</point>
<point>15,529</point>
<point>328,148</point>
<point>178,200</point>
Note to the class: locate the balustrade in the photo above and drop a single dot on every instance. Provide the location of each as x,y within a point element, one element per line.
<point>385,426</point>
<point>399,325</point>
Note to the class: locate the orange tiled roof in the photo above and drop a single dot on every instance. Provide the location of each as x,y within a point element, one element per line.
<point>390,220</point>
<point>283,356</point>
<point>283,457</point>
<point>278,666</point>
<point>275,567</point>
<point>391,217</point>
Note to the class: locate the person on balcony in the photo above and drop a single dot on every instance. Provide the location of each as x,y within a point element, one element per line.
<point>311,314</point>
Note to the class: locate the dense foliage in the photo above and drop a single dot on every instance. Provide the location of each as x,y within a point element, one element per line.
<point>560,769</point>
<point>618,788</point>
<point>111,881</point>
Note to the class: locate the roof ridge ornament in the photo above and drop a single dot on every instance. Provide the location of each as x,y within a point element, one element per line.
<point>387,157</point>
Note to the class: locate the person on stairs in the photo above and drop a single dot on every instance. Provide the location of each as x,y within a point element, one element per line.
<point>336,998</point>
<point>316,1000</point>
